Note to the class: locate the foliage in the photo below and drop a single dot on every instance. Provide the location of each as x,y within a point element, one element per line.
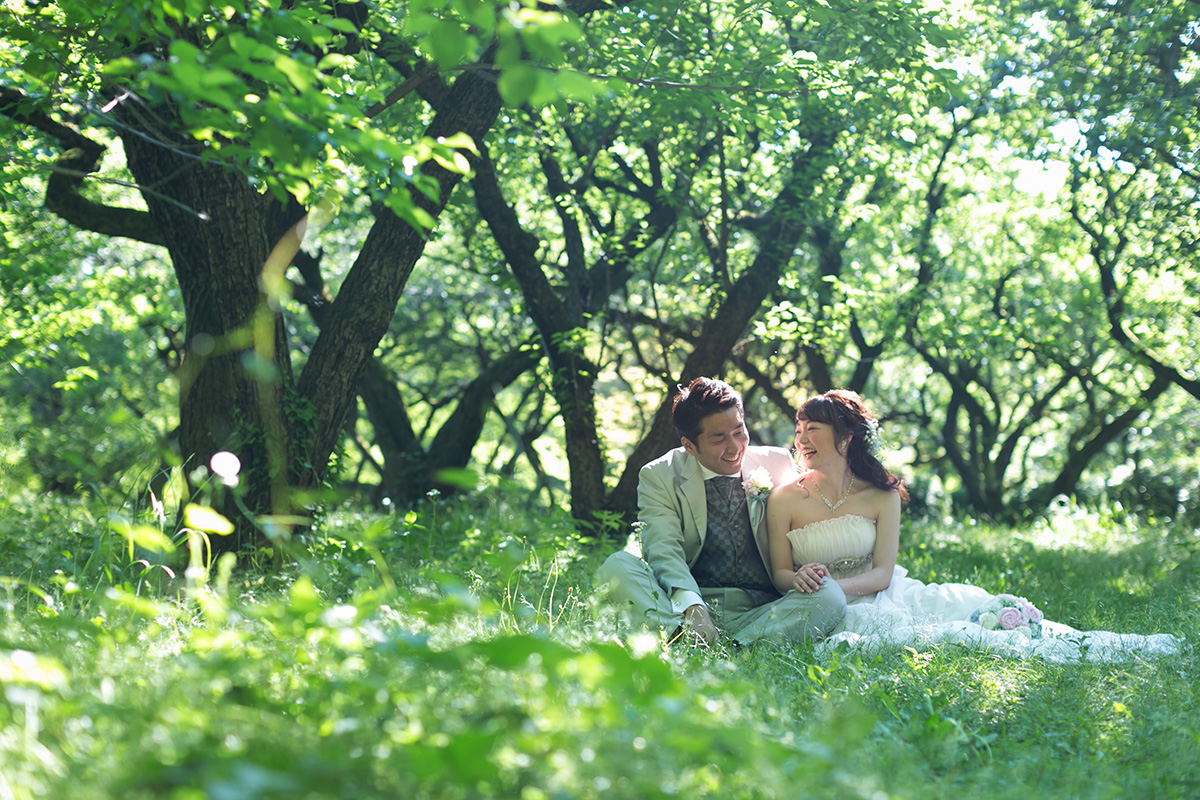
<point>241,126</point>
<point>86,390</point>
<point>980,215</point>
<point>442,653</point>
<point>276,90</point>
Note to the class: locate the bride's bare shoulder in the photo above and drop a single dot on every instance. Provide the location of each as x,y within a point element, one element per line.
<point>788,489</point>
<point>879,498</point>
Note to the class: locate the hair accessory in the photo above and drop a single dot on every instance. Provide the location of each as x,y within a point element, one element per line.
<point>873,439</point>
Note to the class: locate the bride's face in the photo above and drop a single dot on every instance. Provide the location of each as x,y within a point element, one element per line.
<point>815,443</point>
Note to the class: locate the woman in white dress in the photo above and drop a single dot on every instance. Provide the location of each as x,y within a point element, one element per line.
<point>841,521</point>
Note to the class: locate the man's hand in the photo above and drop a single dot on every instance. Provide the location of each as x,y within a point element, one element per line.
<point>698,624</point>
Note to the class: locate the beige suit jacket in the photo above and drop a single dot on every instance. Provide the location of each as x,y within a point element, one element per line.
<point>673,516</point>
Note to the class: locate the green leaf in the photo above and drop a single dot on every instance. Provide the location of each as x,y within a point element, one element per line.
<point>205,519</point>
<point>301,76</point>
<point>517,84</point>
<point>479,14</point>
<point>401,203</point>
<point>143,536</point>
<point>578,86</point>
<point>333,61</point>
<point>121,66</point>
<point>452,160</point>
<point>303,596</point>
<point>460,141</point>
<point>461,478</point>
<point>448,44</point>
<point>184,51</point>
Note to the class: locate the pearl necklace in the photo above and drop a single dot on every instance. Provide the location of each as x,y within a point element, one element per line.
<point>835,506</point>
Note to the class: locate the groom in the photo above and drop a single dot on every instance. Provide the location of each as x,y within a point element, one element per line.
<point>705,563</point>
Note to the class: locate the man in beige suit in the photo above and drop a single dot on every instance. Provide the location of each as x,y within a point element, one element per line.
<point>704,565</point>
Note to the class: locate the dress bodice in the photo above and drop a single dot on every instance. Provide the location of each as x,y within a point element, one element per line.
<point>845,544</point>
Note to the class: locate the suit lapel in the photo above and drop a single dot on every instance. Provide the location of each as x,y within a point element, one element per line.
<point>691,492</point>
<point>694,506</point>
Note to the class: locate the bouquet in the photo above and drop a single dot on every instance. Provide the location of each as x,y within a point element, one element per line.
<point>1007,612</point>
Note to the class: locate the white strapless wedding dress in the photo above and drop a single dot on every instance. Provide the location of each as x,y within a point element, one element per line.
<point>915,614</point>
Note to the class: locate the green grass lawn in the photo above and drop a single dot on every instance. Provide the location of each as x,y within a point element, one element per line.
<point>458,653</point>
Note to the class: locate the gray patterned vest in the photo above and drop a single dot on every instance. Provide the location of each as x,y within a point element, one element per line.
<point>730,557</point>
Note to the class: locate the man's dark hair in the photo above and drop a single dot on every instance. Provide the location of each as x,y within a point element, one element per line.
<point>699,399</point>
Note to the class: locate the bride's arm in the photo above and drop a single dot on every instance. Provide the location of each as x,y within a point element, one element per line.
<point>783,572</point>
<point>778,523</point>
<point>887,546</point>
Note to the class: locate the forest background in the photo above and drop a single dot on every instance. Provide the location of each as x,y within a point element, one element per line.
<point>387,253</point>
<point>523,228</point>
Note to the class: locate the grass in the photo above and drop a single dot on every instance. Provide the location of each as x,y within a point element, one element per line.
<point>458,652</point>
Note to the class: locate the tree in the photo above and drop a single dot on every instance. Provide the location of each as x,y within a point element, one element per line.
<point>674,180</point>
<point>233,122</point>
<point>792,196</point>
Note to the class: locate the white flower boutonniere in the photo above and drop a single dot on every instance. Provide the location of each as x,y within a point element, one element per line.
<point>758,485</point>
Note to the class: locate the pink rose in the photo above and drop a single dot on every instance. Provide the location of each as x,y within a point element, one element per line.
<point>1030,612</point>
<point>1010,618</point>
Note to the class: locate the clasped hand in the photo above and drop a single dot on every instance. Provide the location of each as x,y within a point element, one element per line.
<point>810,577</point>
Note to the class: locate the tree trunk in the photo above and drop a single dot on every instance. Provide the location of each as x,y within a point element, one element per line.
<point>409,469</point>
<point>405,469</point>
<point>574,376</point>
<point>236,370</point>
<point>1078,458</point>
<point>366,302</point>
<point>237,388</point>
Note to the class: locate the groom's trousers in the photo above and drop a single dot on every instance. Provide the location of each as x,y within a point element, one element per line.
<point>793,617</point>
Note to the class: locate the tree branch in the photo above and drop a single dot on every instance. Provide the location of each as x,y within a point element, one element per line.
<point>80,158</point>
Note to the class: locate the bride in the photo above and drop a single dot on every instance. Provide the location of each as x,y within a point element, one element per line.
<point>841,521</point>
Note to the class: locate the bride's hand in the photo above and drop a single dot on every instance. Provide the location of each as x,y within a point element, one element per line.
<point>809,578</point>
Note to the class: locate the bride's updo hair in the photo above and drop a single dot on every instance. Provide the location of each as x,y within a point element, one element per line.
<point>846,413</point>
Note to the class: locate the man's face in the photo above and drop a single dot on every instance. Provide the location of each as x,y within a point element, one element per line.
<point>721,443</point>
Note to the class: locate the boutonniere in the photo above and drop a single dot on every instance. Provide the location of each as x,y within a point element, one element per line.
<point>758,485</point>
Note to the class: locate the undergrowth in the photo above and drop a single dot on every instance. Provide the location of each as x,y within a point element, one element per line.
<point>458,651</point>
